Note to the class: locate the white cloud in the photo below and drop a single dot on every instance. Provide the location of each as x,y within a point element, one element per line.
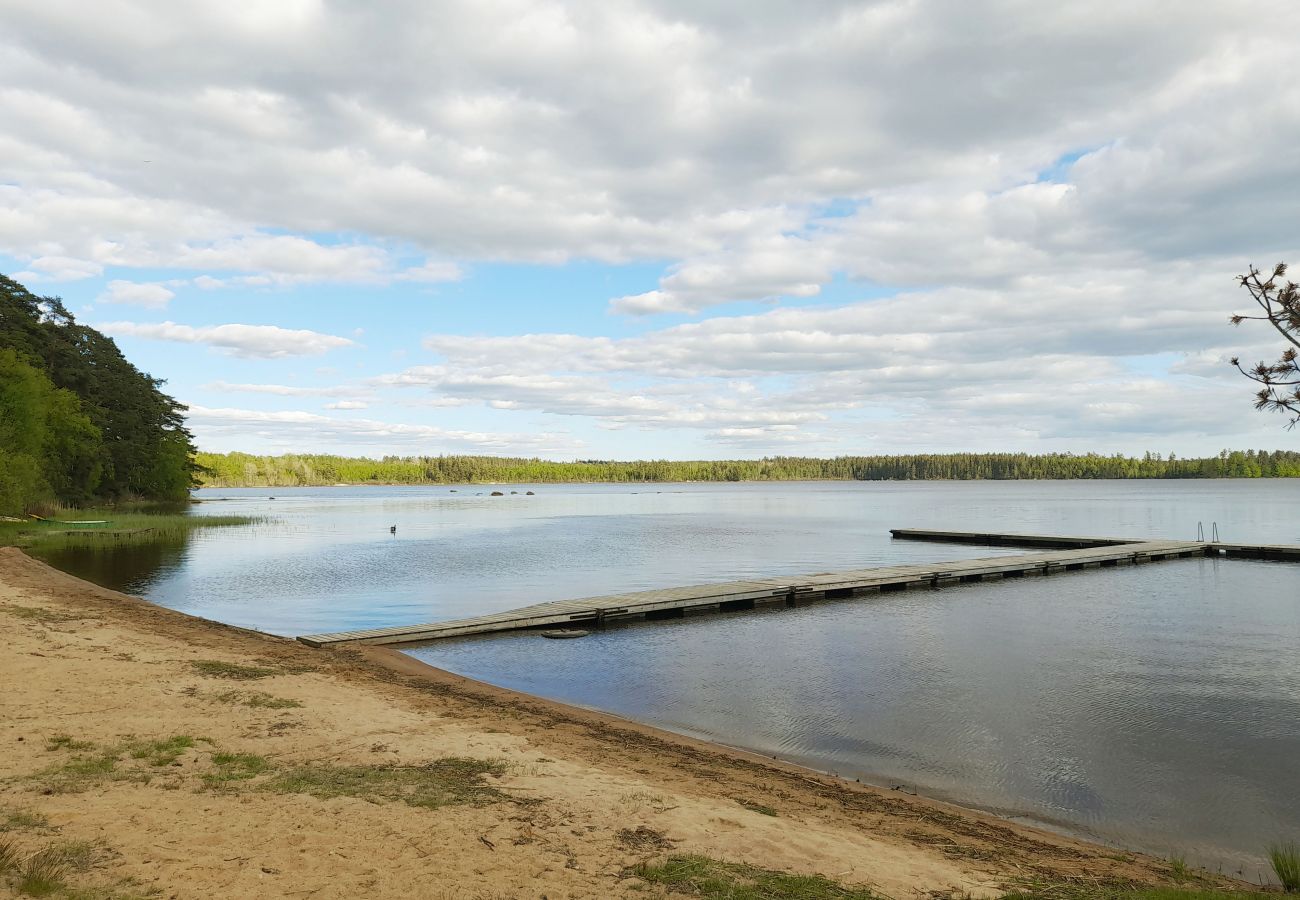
<point>152,295</point>
<point>1049,362</point>
<point>58,268</point>
<point>286,430</point>
<point>1049,202</point>
<point>249,341</point>
<point>348,404</point>
<point>285,390</point>
<point>431,271</point>
<point>767,268</point>
<point>636,130</point>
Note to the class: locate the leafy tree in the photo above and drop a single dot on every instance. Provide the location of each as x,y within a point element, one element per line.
<point>1280,304</point>
<point>48,447</point>
<point>108,429</point>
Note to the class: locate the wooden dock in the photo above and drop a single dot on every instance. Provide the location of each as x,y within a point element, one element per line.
<point>1046,541</point>
<point>791,590</point>
<point>1211,548</point>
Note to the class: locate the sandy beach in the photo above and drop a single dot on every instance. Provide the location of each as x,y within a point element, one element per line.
<point>192,759</point>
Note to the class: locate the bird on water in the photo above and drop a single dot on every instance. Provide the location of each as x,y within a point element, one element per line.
<point>392,529</point>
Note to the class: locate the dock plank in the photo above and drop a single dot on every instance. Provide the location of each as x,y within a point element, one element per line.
<point>1072,553</point>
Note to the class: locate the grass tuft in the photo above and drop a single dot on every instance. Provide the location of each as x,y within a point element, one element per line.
<point>643,838</point>
<point>23,818</point>
<point>1285,858</point>
<point>1178,868</point>
<point>215,668</point>
<point>756,807</point>
<point>41,876</point>
<point>258,700</point>
<point>443,782</point>
<point>67,742</point>
<point>10,856</point>
<point>42,873</point>
<point>162,752</point>
<point>38,614</point>
<point>78,774</point>
<point>718,880</point>
<point>235,767</point>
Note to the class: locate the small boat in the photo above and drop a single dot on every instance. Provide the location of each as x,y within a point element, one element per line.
<point>562,633</point>
<point>67,521</point>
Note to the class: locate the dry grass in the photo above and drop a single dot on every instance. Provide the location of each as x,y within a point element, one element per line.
<point>235,767</point>
<point>215,668</point>
<point>23,819</point>
<point>160,752</point>
<point>759,808</point>
<point>39,614</point>
<point>443,782</point>
<point>717,880</point>
<point>643,838</point>
<point>44,872</point>
<point>257,700</point>
<point>66,742</point>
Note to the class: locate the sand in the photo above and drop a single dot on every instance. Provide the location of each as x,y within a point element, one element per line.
<point>103,669</point>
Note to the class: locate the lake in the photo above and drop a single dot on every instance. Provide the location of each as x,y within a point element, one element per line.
<point>1155,707</point>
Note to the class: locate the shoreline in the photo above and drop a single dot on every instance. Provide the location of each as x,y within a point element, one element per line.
<point>469,484</point>
<point>572,788</point>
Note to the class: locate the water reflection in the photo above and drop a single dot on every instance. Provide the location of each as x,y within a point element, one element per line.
<point>129,567</point>
<point>1157,707</point>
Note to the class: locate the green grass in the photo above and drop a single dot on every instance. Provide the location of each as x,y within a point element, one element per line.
<point>214,668</point>
<point>42,874</point>
<point>443,782</point>
<point>79,773</point>
<point>10,857</point>
<point>232,767</point>
<point>161,752</point>
<point>756,807</point>
<point>67,742</point>
<point>148,522</point>
<point>23,818</point>
<point>1285,858</point>
<point>257,700</point>
<point>1178,868</point>
<point>717,880</point>
<point>38,614</point>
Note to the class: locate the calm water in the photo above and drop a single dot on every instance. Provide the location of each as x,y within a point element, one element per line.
<point>1156,707</point>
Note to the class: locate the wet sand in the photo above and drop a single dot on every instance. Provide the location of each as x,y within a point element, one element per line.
<point>577,799</point>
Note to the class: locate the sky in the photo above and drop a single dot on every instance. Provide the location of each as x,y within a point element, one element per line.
<point>664,229</point>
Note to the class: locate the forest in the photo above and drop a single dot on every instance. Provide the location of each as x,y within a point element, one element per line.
<point>78,422</point>
<point>245,470</point>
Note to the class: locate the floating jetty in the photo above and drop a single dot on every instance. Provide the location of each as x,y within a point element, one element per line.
<point>1068,554</point>
<point>1209,548</point>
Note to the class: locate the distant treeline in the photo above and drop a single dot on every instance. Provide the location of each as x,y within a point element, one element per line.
<point>244,470</point>
<point>77,421</point>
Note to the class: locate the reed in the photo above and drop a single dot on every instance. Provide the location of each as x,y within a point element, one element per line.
<point>130,524</point>
<point>1285,859</point>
